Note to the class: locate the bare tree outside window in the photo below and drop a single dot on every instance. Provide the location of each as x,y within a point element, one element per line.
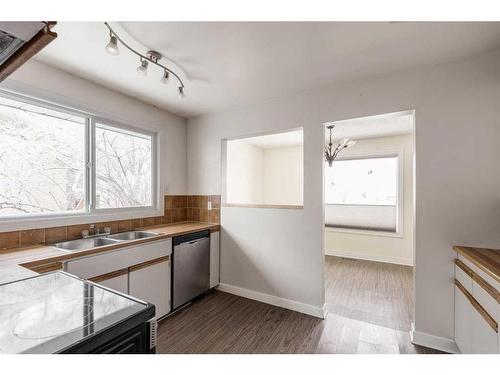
<point>41,162</point>
<point>123,168</point>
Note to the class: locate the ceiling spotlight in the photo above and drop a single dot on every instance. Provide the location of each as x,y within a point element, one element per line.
<point>143,68</point>
<point>181,92</point>
<point>112,47</point>
<point>165,77</point>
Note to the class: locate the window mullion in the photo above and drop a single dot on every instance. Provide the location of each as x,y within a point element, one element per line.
<point>87,164</point>
<point>92,174</point>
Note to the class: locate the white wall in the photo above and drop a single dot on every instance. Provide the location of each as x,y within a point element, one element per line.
<point>245,173</point>
<point>258,176</point>
<point>271,251</point>
<point>44,82</point>
<point>284,175</point>
<point>457,180</point>
<point>372,246</point>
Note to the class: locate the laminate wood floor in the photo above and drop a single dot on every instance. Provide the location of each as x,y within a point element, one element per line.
<point>370,308</point>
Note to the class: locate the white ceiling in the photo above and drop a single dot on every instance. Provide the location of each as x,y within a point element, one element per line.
<point>238,63</point>
<point>279,140</point>
<point>386,125</point>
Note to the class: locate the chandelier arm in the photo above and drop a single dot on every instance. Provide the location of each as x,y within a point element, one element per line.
<point>337,151</point>
<point>143,56</point>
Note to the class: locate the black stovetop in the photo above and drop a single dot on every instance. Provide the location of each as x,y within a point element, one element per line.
<point>48,313</point>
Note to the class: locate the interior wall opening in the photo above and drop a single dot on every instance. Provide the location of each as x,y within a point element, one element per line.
<point>368,200</point>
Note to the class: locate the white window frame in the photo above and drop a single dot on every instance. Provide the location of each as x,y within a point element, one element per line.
<point>400,197</point>
<point>90,214</point>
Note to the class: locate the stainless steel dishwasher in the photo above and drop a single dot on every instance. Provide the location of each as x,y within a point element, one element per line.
<point>190,267</point>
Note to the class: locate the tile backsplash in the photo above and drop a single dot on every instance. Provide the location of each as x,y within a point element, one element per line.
<point>197,208</point>
<point>177,208</point>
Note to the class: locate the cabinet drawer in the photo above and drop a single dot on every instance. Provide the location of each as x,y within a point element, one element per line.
<point>464,275</point>
<point>467,262</point>
<point>480,309</point>
<point>119,259</point>
<point>117,280</point>
<point>487,297</point>
<point>490,280</point>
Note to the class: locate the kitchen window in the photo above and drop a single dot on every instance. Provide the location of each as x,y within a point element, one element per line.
<point>123,168</point>
<point>363,193</point>
<point>60,162</point>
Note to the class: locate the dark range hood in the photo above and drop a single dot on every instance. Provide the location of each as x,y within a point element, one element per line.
<point>20,41</point>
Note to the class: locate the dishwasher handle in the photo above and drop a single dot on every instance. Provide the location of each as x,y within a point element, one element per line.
<point>191,237</point>
<point>196,241</point>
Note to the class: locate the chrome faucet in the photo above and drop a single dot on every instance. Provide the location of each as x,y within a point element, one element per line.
<point>95,232</point>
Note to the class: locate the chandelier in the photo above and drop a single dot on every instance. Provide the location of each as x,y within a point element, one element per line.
<point>152,57</point>
<point>331,152</point>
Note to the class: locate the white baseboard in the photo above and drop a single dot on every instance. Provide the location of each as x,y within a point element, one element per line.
<point>372,257</point>
<point>434,342</point>
<point>316,311</point>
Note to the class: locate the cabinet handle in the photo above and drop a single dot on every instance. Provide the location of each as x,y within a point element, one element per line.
<point>464,267</point>
<point>107,276</point>
<point>149,263</point>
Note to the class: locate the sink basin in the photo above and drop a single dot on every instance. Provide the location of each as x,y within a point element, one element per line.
<point>134,235</point>
<point>86,243</point>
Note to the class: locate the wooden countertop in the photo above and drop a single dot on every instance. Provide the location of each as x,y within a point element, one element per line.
<point>486,259</point>
<point>42,254</point>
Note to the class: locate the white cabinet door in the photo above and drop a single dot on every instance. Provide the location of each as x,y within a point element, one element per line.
<point>214,259</point>
<point>119,283</point>
<point>463,317</point>
<point>151,283</point>
<point>484,337</point>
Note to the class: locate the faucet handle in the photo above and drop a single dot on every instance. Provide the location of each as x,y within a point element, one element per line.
<point>107,230</point>
<point>85,233</point>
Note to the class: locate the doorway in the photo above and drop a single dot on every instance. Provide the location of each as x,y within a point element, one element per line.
<point>369,228</point>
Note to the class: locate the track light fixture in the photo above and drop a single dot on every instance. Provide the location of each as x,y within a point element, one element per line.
<point>181,92</point>
<point>152,57</point>
<point>143,68</point>
<point>112,46</point>
<point>165,77</point>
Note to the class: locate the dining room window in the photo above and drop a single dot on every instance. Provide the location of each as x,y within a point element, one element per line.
<point>363,193</point>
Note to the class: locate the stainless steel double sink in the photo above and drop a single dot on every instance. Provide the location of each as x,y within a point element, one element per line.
<point>88,243</point>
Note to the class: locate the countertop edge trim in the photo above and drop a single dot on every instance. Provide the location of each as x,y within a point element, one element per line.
<point>463,251</point>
